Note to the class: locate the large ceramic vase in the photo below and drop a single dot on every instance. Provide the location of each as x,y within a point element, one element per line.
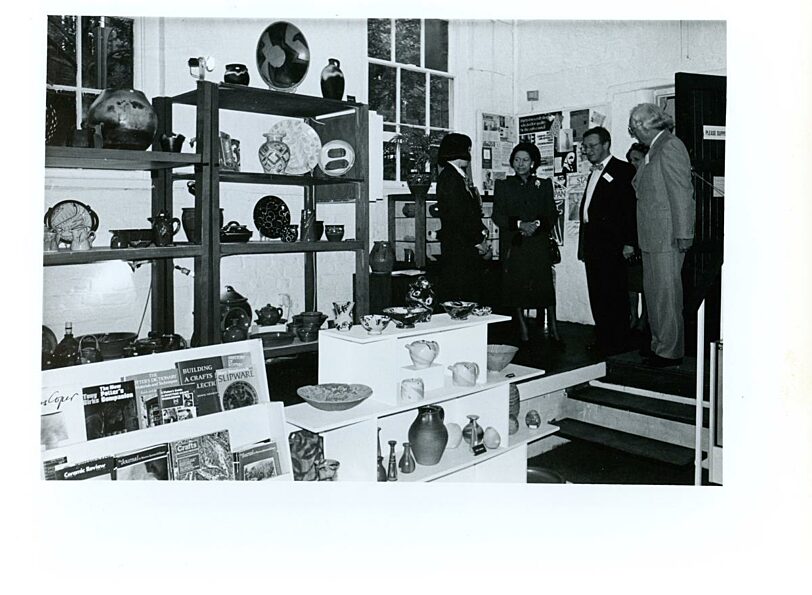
<point>428,435</point>
<point>274,154</point>
<point>126,117</point>
<point>187,220</point>
<point>332,80</point>
<point>382,257</point>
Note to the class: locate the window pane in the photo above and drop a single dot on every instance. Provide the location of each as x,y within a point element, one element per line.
<point>439,101</point>
<point>60,118</point>
<point>91,38</point>
<point>407,41</point>
<point>379,38</point>
<point>382,91</point>
<point>415,146</point>
<point>437,45</point>
<point>119,53</point>
<point>412,97</point>
<point>389,161</point>
<point>61,50</point>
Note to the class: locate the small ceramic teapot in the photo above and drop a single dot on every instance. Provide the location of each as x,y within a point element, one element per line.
<point>164,228</point>
<point>268,315</point>
<point>423,352</point>
<point>82,238</point>
<point>464,373</point>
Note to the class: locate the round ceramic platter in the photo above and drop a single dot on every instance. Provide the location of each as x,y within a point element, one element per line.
<point>271,216</point>
<point>336,158</point>
<point>283,56</point>
<point>49,341</point>
<point>304,145</point>
<point>68,215</point>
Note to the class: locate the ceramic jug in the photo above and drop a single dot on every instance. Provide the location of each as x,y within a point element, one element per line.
<point>82,239</point>
<point>268,315</point>
<point>90,355</point>
<point>423,353</point>
<point>464,373</point>
<point>164,228</point>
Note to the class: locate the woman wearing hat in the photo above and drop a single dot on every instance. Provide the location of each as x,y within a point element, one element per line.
<point>463,238</point>
<point>524,210</point>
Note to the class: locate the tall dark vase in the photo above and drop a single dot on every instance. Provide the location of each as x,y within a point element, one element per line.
<point>332,80</point>
<point>428,435</point>
<point>127,119</point>
<point>382,257</point>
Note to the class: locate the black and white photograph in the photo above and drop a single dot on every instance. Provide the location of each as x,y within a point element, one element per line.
<point>479,262</point>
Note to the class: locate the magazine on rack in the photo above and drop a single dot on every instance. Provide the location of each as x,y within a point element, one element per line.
<point>206,457</point>
<point>257,462</point>
<point>110,409</point>
<point>177,403</point>
<point>149,463</point>
<point>200,373</point>
<point>146,389</point>
<point>237,387</point>
<point>101,468</point>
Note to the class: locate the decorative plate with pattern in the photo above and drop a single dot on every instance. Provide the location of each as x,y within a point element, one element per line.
<point>283,56</point>
<point>336,157</point>
<point>304,145</point>
<point>271,216</point>
<point>68,215</point>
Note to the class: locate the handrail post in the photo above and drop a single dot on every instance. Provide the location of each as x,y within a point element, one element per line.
<point>700,377</point>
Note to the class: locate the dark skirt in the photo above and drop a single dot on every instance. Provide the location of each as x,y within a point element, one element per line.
<point>527,279</point>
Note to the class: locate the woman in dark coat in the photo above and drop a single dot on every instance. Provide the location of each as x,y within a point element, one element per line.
<point>463,236</point>
<point>524,210</point>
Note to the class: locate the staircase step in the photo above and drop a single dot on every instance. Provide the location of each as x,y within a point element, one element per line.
<point>574,429</point>
<point>628,369</point>
<point>662,409</point>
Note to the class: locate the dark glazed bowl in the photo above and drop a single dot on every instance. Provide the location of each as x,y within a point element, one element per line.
<point>307,334</point>
<point>310,318</point>
<point>276,339</point>
<point>459,310</point>
<point>335,233</point>
<point>405,316</point>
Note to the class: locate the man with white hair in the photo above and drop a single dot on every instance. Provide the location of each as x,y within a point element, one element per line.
<point>666,213</point>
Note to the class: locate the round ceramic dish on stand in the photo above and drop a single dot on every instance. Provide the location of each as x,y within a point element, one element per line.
<point>304,145</point>
<point>271,216</point>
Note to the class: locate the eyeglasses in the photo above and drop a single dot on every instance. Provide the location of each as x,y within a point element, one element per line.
<point>589,146</point>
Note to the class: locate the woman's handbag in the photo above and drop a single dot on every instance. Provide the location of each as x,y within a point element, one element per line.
<point>555,253</point>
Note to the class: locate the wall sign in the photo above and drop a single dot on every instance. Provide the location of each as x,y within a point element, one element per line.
<point>713,133</point>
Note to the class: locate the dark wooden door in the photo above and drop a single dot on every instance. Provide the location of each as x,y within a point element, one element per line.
<point>701,102</point>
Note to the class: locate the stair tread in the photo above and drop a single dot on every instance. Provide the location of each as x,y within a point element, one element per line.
<point>669,410</point>
<point>628,369</point>
<point>623,441</point>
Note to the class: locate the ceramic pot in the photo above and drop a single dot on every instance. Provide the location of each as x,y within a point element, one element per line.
<point>428,435</point>
<point>343,315</point>
<point>454,435</point>
<point>473,430</point>
<point>230,299</point>
<point>411,390</point>
<point>164,228</point>
<point>421,294</point>
<point>491,438</point>
<point>382,257</point>
<point>187,221</point>
<point>423,353</point>
<point>332,80</point>
<point>126,117</point>
<point>236,74</point>
<point>464,373</point>
<point>419,184</point>
<point>274,154</point>
<point>268,315</point>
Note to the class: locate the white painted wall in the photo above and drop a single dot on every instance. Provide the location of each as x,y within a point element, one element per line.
<point>572,64</point>
<point>616,64</point>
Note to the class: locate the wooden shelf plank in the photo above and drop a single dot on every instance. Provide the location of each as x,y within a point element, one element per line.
<point>116,159</point>
<point>245,177</point>
<point>264,101</point>
<point>99,254</point>
<point>308,417</point>
<point>280,247</point>
<point>296,347</point>
<point>438,323</point>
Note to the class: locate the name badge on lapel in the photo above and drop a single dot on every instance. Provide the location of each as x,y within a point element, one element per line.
<point>607,177</point>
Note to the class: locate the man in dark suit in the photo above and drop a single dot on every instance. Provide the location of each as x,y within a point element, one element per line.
<point>607,237</point>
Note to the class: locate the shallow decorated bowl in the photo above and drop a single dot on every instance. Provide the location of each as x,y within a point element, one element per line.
<point>405,316</point>
<point>482,311</point>
<point>375,323</point>
<point>459,310</point>
<point>334,396</point>
<point>499,356</point>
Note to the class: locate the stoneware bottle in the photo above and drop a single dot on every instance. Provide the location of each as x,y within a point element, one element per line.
<point>382,257</point>
<point>274,154</point>
<point>332,80</point>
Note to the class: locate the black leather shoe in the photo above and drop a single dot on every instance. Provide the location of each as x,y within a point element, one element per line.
<point>655,361</point>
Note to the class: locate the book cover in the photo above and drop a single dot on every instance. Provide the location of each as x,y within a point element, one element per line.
<point>206,457</point>
<point>49,467</point>
<point>237,360</point>
<point>237,388</point>
<point>258,462</point>
<point>62,420</point>
<point>110,409</point>
<point>101,468</point>
<point>177,403</point>
<point>146,390</point>
<point>144,464</point>
<point>201,374</point>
